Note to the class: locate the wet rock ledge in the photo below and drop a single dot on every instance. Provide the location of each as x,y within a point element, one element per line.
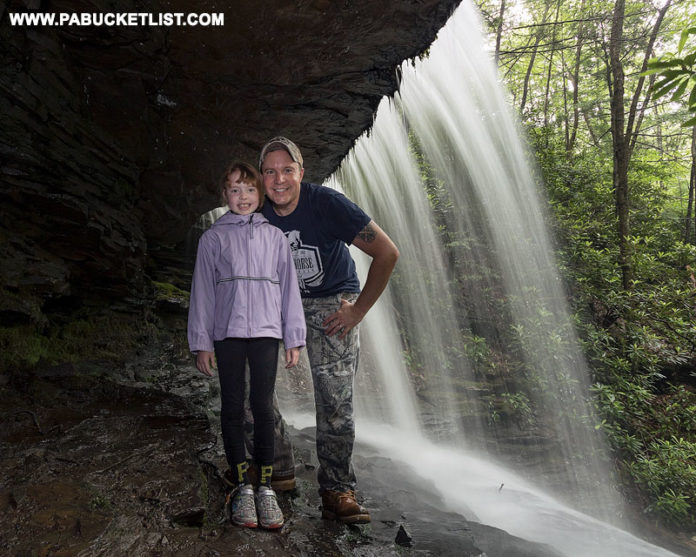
<point>99,461</point>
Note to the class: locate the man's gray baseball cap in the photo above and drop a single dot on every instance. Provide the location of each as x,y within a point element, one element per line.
<point>281,143</point>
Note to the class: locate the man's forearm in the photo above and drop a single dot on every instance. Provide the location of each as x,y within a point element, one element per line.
<point>374,242</point>
<point>377,279</point>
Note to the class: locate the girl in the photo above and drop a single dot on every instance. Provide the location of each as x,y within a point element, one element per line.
<point>244,298</point>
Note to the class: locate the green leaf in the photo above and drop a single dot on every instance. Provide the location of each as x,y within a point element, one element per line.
<point>692,96</point>
<point>664,82</point>
<point>685,36</point>
<point>671,74</point>
<point>689,123</point>
<point>651,71</point>
<point>664,90</point>
<point>680,90</point>
<point>661,63</point>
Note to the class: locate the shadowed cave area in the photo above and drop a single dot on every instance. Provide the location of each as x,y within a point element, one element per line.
<point>114,138</point>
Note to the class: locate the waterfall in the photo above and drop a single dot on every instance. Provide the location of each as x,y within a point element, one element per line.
<point>471,356</point>
<point>202,224</point>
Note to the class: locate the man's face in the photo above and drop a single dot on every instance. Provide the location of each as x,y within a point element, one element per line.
<point>281,179</point>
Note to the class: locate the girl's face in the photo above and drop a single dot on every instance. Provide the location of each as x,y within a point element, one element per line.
<point>242,197</point>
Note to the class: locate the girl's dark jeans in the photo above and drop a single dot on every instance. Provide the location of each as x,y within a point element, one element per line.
<point>262,355</point>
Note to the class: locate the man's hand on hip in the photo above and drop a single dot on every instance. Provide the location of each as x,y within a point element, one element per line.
<point>343,320</point>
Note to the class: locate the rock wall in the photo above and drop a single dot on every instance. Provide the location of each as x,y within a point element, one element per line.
<point>113,138</point>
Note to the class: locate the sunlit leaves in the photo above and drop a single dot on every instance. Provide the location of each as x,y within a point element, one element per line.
<point>677,75</point>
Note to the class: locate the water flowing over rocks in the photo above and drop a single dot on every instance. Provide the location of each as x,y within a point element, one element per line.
<point>113,138</point>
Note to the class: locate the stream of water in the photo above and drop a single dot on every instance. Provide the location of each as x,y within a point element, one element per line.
<point>445,173</point>
<point>486,492</point>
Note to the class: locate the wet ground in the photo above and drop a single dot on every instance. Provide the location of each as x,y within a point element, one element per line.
<point>102,461</point>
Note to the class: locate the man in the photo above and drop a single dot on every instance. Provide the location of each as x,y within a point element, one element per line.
<point>320,223</point>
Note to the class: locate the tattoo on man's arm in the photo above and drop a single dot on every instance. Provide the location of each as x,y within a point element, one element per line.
<point>367,234</point>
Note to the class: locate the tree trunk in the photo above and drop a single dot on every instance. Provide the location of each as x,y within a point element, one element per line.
<point>631,133</point>
<point>537,40</point>
<point>499,31</point>
<point>566,117</point>
<point>548,75</point>
<point>689,235</point>
<point>590,129</point>
<point>575,80</point>
<point>624,134</point>
<point>620,147</point>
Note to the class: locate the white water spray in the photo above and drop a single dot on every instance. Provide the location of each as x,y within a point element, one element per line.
<point>498,497</point>
<point>448,140</point>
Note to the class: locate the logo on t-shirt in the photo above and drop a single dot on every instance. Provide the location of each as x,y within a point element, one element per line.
<point>310,271</point>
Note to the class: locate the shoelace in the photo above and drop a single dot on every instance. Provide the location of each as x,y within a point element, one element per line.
<point>269,504</point>
<point>245,499</point>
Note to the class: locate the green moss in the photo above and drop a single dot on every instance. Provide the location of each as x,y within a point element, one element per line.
<point>99,502</point>
<point>107,335</point>
<point>21,345</point>
<point>168,292</point>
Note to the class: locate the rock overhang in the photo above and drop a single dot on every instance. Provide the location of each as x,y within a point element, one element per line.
<point>114,138</point>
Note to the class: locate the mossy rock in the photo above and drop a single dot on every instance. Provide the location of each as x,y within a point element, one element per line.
<point>106,335</point>
<point>170,296</point>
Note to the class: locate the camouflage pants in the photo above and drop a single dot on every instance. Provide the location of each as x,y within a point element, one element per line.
<point>333,363</point>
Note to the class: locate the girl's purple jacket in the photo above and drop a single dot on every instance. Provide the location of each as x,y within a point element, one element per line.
<point>244,285</point>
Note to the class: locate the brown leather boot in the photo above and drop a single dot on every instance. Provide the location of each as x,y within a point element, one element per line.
<point>342,506</point>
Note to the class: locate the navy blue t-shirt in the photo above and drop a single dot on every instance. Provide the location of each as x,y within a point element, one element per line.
<point>319,229</point>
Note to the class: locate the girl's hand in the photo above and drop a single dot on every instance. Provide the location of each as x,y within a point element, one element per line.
<point>205,362</point>
<point>292,357</point>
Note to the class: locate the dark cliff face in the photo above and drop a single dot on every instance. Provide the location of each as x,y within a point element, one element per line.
<point>113,138</point>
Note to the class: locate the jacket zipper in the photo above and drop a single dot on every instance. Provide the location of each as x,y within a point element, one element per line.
<point>251,237</point>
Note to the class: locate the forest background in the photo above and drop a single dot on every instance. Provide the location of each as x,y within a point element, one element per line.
<point>607,95</point>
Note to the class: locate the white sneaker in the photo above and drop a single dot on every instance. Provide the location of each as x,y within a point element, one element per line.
<point>270,515</point>
<point>243,509</point>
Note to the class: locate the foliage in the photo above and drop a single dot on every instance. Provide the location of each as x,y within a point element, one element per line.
<point>677,73</point>
<point>519,405</point>
<point>641,342</point>
<point>634,338</point>
<point>656,456</point>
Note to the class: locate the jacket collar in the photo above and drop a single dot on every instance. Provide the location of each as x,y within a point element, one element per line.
<point>232,218</point>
